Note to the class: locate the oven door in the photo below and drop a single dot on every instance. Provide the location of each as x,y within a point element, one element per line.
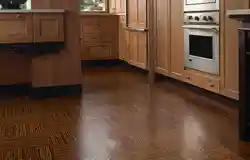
<point>201,46</point>
<point>201,5</point>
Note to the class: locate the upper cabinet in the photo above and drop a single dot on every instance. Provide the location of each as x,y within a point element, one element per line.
<point>16,27</point>
<point>117,6</point>
<point>48,27</point>
<point>137,13</point>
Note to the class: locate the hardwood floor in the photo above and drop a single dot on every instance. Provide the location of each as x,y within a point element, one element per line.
<point>121,117</point>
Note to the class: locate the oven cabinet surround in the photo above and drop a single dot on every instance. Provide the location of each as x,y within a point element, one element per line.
<point>99,37</point>
<point>136,35</point>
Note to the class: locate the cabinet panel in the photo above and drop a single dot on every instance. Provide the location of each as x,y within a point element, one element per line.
<point>112,6</point>
<point>142,13</point>
<point>177,39</point>
<point>132,13</point>
<point>48,27</point>
<point>138,49</point>
<point>133,47</point>
<point>141,59</point>
<point>231,58</point>
<point>16,28</point>
<point>99,37</point>
<point>163,37</point>
<point>122,41</point>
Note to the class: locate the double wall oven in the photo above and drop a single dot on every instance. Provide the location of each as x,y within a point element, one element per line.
<point>201,35</point>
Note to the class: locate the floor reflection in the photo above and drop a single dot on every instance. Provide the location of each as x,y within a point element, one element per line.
<point>125,118</point>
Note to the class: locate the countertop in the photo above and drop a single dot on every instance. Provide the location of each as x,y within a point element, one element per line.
<point>32,11</point>
<point>238,12</point>
<point>242,15</point>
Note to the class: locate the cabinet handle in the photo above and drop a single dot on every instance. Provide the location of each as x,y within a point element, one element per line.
<point>188,77</point>
<point>211,85</point>
<point>18,16</point>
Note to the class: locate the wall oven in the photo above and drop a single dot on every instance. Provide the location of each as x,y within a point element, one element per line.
<point>201,5</point>
<point>201,43</point>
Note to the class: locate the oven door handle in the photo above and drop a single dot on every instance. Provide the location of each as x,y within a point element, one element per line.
<point>214,28</point>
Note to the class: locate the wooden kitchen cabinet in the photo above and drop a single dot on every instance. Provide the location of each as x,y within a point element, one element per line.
<point>16,28</point>
<point>230,88</point>
<point>177,39</point>
<point>112,6</point>
<point>138,49</point>
<point>99,37</point>
<point>117,6</point>
<point>122,40</point>
<point>120,6</point>
<point>162,63</point>
<point>48,27</point>
<point>137,19</point>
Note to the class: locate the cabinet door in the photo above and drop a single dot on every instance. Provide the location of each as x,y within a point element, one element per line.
<point>122,41</point>
<point>48,27</point>
<point>112,6</point>
<point>177,39</point>
<point>132,13</point>
<point>16,28</point>
<point>141,57</point>
<point>231,58</point>
<point>142,13</point>
<point>138,49</point>
<point>163,37</point>
<point>41,71</point>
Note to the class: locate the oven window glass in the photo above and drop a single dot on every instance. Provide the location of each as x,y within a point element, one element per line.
<point>201,46</point>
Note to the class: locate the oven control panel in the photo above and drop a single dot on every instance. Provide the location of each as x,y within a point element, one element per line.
<point>204,17</point>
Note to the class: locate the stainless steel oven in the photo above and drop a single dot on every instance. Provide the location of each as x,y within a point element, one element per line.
<point>201,45</point>
<point>201,5</point>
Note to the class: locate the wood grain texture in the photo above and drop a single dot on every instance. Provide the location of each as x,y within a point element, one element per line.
<point>177,39</point>
<point>231,52</point>
<point>163,37</point>
<point>64,68</point>
<point>99,37</point>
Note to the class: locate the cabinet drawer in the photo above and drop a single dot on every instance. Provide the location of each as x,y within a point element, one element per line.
<point>16,28</point>
<point>210,83</point>
<point>191,78</point>
<point>91,38</point>
<point>93,20</point>
<point>98,52</point>
<point>90,29</point>
<point>48,27</point>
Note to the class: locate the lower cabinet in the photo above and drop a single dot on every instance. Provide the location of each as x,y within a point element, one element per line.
<point>99,37</point>
<point>48,27</point>
<point>97,51</point>
<point>138,49</point>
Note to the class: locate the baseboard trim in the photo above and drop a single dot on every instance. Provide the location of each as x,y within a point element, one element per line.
<point>56,91</point>
<point>15,89</point>
<point>101,63</point>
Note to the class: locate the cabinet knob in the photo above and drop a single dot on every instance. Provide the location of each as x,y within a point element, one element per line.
<point>188,77</point>
<point>18,16</point>
<point>211,85</point>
